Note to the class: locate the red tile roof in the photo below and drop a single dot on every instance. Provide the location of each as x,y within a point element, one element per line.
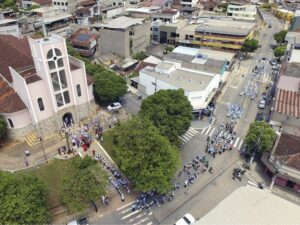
<point>9,99</point>
<point>29,74</point>
<point>288,103</point>
<point>15,53</point>
<point>43,2</point>
<point>88,2</point>
<point>288,151</point>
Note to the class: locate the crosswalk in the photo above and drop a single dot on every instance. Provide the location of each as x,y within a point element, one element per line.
<point>191,132</point>
<point>137,217</point>
<point>265,77</point>
<point>236,143</point>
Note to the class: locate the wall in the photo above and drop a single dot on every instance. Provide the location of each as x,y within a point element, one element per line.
<point>141,38</point>
<point>11,30</point>
<point>20,119</point>
<point>279,118</point>
<point>113,12</point>
<point>37,90</point>
<point>116,42</point>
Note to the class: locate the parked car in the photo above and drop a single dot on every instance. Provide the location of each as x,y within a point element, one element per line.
<point>259,116</point>
<point>114,106</point>
<point>187,219</point>
<point>264,96</point>
<point>262,104</point>
<point>80,221</point>
<point>273,62</point>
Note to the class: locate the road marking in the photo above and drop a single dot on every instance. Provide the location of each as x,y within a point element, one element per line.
<point>192,130</point>
<point>207,130</point>
<point>182,139</point>
<point>236,141</point>
<point>124,206</point>
<point>211,132</point>
<point>126,210</point>
<point>252,183</point>
<point>240,145</point>
<point>135,218</point>
<point>189,136</point>
<point>130,214</point>
<point>185,139</point>
<point>150,223</point>
<point>141,221</point>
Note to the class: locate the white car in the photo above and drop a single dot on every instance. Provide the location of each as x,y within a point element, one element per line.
<point>262,104</point>
<point>187,219</point>
<point>114,106</point>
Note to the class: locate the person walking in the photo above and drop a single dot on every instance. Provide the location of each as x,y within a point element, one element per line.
<point>94,153</point>
<point>27,153</point>
<point>26,161</point>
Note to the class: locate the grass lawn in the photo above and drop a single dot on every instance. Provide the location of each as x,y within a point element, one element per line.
<point>52,175</point>
<point>108,144</point>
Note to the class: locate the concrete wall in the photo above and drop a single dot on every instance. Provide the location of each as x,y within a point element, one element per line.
<point>116,42</point>
<point>11,30</point>
<point>279,118</point>
<point>20,119</point>
<point>141,37</point>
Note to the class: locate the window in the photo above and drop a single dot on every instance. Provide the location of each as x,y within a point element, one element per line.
<point>78,90</point>
<point>59,100</point>
<point>155,29</point>
<point>63,79</point>
<point>50,54</point>
<point>66,97</point>
<point>57,52</point>
<point>62,3</point>
<point>55,81</point>
<point>10,123</point>
<point>54,3</point>
<point>51,65</point>
<point>60,62</point>
<point>41,104</point>
<point>173,34</point>
<point>66,4</point>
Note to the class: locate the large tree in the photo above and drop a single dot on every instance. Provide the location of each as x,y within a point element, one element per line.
<point>3,126</point>
<point>170,111</point>
<point>250,45</point>
<point>279,51</point>
<point>108,86</point>
<point>85,181</point>
<point>280,36</point>
<point>146,157</point>
<point>23,199</point>
<point>260,137</point>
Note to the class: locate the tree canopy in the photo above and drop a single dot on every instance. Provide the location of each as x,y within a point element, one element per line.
<point>250,45</point>
<point>170,111</point>
<point>86,181</point>
<point>108,86</point>
<point>3,126</point>
<point>260,136</point>
<point>23,199</point>
<point>280,36</point>
<point>146,157</point>
<point>279,51</point>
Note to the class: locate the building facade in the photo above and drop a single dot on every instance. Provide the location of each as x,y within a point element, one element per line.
<point>240,11</point>
<point>87,12</point>
<point>42,88</point>
<point>9,26</point>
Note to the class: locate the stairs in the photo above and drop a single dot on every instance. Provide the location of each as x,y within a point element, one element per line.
<point>32,139</point>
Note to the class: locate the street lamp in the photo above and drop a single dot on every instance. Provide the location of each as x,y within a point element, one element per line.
<point>41,141</point>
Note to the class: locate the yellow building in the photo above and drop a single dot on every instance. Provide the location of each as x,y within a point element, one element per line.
<point>283,14</point>
<point>223,33</point>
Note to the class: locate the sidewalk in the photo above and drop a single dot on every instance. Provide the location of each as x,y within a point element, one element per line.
<point>200,124</point>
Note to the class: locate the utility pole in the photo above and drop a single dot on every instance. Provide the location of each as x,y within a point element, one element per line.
<point>41,141</point>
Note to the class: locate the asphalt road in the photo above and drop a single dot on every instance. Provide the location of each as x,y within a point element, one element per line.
<point>209,189</point>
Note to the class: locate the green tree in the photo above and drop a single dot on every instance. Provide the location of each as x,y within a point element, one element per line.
<point>279,51</point>
<point>146,157</point>
<point>3,126</point>
<point>23,199</point>
<point>170,111</point>
<point>280,36</point>
<point>250,45</point>
<point>86,181</point>
<point>260,136</point>
<point>140,56</point>
<point>108,86</point>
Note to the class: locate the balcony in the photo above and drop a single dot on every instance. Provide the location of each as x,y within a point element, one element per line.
<point>217,44</point>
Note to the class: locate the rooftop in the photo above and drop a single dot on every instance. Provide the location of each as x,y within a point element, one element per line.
<point>121,22</point>
<point>288,151</point>
<point>287,102</point>
<point>182,78</point>
<point>224,26</point>
<point>291,70</point>
<point>251,205</point>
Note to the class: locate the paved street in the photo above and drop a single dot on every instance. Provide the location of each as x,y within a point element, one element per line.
<point>209,189</point>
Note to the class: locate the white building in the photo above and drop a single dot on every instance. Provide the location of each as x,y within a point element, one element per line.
<point>68,6</point>
<point>9,26</point>
<point>41,86</point>
<point>199,87</point>
<point>87,12</point>
<point>189,3</point>
<point>240,11</point>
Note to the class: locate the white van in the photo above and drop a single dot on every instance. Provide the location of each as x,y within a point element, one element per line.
<point>187,219</point>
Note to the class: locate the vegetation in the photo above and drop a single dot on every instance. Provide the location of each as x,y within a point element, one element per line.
<point>108,86</point>
<point>23,199</point>
<point>85,181</point>
<point>280,37</point>
<point>168,49</point>
<point>3,126</point>
<point>140,56</point>
<point>279,51</point>
<point>170,111</point>
<point>250,45</point>
<point>260,136</point>
<point>146,157</point>
<point>268,6</point>
<point>134,74</point>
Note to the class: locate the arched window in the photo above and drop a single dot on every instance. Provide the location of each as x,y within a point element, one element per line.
<point>41,104</point>
<point>78,90</point>
<point>11,124</point>
<point>57,52</point>
<point>50,54</point>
